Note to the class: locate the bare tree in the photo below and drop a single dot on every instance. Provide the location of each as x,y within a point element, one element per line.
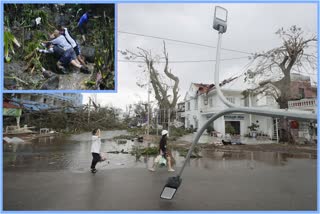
<point>165,87</point>
<point>271,70</point>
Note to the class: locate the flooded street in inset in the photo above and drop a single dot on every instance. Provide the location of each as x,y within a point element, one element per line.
<point>222,180</point>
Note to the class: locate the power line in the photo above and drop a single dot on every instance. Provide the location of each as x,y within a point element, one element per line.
<point>185,61</point>
<point>239,74</point>
<point>180,41</point>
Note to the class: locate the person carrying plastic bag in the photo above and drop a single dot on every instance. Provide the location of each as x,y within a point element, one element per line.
<point>163,158</point>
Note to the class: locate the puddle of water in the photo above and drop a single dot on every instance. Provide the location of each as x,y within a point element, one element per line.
<point>73,153</point>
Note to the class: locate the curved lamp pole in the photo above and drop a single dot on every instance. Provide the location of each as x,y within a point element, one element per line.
<point>220,24</point>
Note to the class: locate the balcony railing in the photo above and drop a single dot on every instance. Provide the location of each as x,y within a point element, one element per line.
<point>303,104</point>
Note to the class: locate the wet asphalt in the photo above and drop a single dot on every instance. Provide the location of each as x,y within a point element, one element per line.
<point>56,177</point>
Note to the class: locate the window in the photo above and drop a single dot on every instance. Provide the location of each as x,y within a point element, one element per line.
<point>301,93</point>
<point>205,100</point>
<point>188,106</point>
<point>188,123</point>
<point>196,104</point>
<point>210,102</point>
<point>231,99</point>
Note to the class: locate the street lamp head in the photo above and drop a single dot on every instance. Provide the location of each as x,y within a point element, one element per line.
<point>220,19</point>
<point>170,188</point>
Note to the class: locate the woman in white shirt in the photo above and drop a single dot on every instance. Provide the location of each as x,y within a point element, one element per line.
<point>95,149</point>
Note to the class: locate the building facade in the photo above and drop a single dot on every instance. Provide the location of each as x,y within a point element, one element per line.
<point>202,102</point>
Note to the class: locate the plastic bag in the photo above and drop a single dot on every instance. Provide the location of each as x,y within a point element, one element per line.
<point>162,162</point>
<point>157,159</point>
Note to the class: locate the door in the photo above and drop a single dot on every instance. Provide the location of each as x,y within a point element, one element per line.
<point>232,127</point>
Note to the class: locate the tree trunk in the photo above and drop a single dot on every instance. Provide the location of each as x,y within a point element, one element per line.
<point>284,85</point>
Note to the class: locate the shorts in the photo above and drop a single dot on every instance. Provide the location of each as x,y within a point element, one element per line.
<point>83,29</point>
<point>67,57</point>
<point>165,153</point>
<point>77,50</point>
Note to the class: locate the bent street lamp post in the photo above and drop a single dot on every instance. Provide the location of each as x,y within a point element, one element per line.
<point>173,183</point>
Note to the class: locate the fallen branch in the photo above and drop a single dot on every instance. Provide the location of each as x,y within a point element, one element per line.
<point>16,78</point>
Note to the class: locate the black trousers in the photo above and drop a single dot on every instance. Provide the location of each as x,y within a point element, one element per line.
<point>95,159</point>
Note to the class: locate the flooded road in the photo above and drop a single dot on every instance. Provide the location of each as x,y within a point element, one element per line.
<point>242,180</point>
<point>73,153</point>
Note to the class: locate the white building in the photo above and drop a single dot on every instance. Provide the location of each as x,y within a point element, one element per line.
<point>202,102</point>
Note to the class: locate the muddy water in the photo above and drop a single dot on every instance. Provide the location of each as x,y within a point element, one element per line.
<point>73,153</point>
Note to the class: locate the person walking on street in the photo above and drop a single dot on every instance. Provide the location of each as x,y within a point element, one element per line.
<point>164,152</point>
<point>95,149</point>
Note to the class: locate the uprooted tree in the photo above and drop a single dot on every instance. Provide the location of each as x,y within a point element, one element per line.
<point>165,84</point>
<point>271,70</point>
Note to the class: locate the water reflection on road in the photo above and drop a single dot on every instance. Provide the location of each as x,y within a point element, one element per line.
<point>73,153</point>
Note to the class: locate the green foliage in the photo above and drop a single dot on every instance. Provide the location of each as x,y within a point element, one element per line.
<point>104,56</point>
<point>100,35</point>
<point>230,129</point>
<point>178,132</point>
<point>253,127</point>
<point>36,62</point>
<point>8,44</point>
<point>210,129</point>
<point>150,151</point>
<point>138,152</point>
<point>136,131</point>
<point>30,47</point>
<point>126,137</point>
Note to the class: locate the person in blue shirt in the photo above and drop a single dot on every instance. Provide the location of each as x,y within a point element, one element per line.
<point>82,25</point>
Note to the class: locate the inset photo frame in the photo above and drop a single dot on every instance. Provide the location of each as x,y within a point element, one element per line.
<point>59,46</point>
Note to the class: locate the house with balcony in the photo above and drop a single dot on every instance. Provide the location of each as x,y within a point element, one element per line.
<point>202,102</point>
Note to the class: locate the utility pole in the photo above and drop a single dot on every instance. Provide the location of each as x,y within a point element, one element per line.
<point>157,122</point>
<point>169,112</point>
<point>89,105</point>
<point>149,79</point>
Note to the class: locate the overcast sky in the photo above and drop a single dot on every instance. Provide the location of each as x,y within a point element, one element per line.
<point>251,28</point>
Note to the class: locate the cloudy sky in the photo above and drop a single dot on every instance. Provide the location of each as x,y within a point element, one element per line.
<point>251,28</point>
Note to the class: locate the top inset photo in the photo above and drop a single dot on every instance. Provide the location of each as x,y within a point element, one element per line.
<point>59,47</point>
